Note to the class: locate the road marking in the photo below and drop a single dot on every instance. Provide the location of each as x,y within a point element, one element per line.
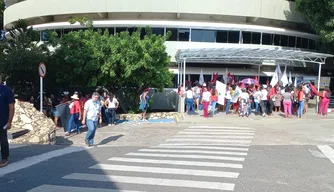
<point>29,161</point>
<point>201,147</point>
<point>213,133</point>
<point>188,156</point>
<point>214,136</point>
<point>57,188</point>
<point>328,151</point>
<point>152,181</point>
<point>174,162</point>
<point>193,151</point>
<point>158,170</point>
<point>212,140</point>
<point>204,144</point>
<point>219,130</point>
<point>218,127</point>
<point>14,146</point>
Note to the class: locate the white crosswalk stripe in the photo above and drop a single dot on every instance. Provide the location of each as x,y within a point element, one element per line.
<point>206,158</point>
<point>152,181</point>
<point>200,147</point>
<point>194,151</point>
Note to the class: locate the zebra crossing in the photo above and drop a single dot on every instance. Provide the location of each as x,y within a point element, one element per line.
<point>198,158</point>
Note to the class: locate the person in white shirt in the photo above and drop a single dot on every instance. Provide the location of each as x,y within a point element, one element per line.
<point>307,97</point>
<point>197,92</point>
<point>264,99</point>
<point>228,97</point>
<point>111,105</point>
<point>206,99</point>
<point>190,100</point>
<point>91,117</point>
<point>257,98</point>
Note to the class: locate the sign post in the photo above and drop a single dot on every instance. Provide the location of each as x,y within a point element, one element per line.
<point>41,73</point>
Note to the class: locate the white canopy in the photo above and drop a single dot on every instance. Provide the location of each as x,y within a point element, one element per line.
<point>253,56</point>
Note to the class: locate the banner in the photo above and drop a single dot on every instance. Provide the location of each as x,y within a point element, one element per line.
<point>221,88</point>
<point>236,95</point>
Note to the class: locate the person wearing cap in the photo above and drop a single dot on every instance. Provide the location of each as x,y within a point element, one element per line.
<point>6,117</point>
<point>144,103</point>
<point>75,112</point>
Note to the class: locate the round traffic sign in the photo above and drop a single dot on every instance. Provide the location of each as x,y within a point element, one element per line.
<point>42,70</point>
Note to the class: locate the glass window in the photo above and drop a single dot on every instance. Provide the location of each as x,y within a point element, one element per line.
<point>277,39</point>
<point>311,44</point>
<point>246,37</point>
<point>233,36</point>
<point>299,42</point>
<point>256,38</point>
<point>292,41</point>
<point>284,40</point>
<point>267,39</point>
<point>43,36</point>
<point>221,37</point>
<point>209,36</point>
<point>196,35</point>
<point>67,31</point>
<point>304,43</point>
<point>183,34</point>
<point>158,31</point>
<point>173,36</point>
<point>59,32</point>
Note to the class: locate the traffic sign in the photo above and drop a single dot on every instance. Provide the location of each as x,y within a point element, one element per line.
<point>42,70</point>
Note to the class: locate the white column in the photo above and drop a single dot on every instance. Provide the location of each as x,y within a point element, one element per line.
<point>258,74</point>
<point>319,77</point>
<point>181,71</point>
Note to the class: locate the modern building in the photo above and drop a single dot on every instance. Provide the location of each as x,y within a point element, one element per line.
<point>243,37</point>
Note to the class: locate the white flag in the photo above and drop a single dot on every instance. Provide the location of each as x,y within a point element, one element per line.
<point>274,80</point>
<point>295,83</point>
<point>278,71</point>
<point>201,78</point>
<point>290,78</point>
<point>284,78</point>
<point>221,88</point>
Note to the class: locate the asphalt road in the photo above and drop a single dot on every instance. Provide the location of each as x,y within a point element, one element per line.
<point>197,158</point>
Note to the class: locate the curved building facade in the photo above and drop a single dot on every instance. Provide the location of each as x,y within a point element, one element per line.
<point>193,23</point>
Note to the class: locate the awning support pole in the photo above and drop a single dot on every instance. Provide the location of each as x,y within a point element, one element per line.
<point>184,75</point>
<point>178,73</point>
<point>319,77</point>
<point>258,74</point>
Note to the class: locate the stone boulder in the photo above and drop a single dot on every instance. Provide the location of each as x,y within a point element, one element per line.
<point>42,129</point>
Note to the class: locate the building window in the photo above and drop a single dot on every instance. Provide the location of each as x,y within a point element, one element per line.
<point>233,36</point>
<point>311,44</point>
<point>246,37</point>
<point>221,37</point>
<point>277,39</point>
<point>292,41</point>
<point>284,40</point>
<point>304,43</point>
<point>299,42</point>
<point>173,36</point>
<point>209,36</point>
<point>197,35</point>
<point>120,29</point>
<point>267,39</point>
<point>256,38</point>
<point>158,31</point>
<point>43,36</point>
<point>200,35</point>
<point>183,34</point>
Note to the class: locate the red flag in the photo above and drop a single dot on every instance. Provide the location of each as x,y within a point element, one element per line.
<point>215,76</point>
<point>315,91</point>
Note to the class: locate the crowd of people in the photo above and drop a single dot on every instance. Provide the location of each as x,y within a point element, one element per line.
<point>244,100</point>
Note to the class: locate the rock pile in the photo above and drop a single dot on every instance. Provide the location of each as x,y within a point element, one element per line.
<point>42,129</point>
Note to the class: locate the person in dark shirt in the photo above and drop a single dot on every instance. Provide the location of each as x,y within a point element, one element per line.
<point>6,117</point>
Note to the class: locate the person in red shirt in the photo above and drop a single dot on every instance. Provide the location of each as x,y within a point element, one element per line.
<point>75,112</point>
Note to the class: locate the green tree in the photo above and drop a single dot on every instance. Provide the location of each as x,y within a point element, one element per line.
<point>21,55</point>
<point>95,58</point>
<point>320,14</point>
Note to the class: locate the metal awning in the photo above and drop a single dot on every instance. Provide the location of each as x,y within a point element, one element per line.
<point>253,56</point>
